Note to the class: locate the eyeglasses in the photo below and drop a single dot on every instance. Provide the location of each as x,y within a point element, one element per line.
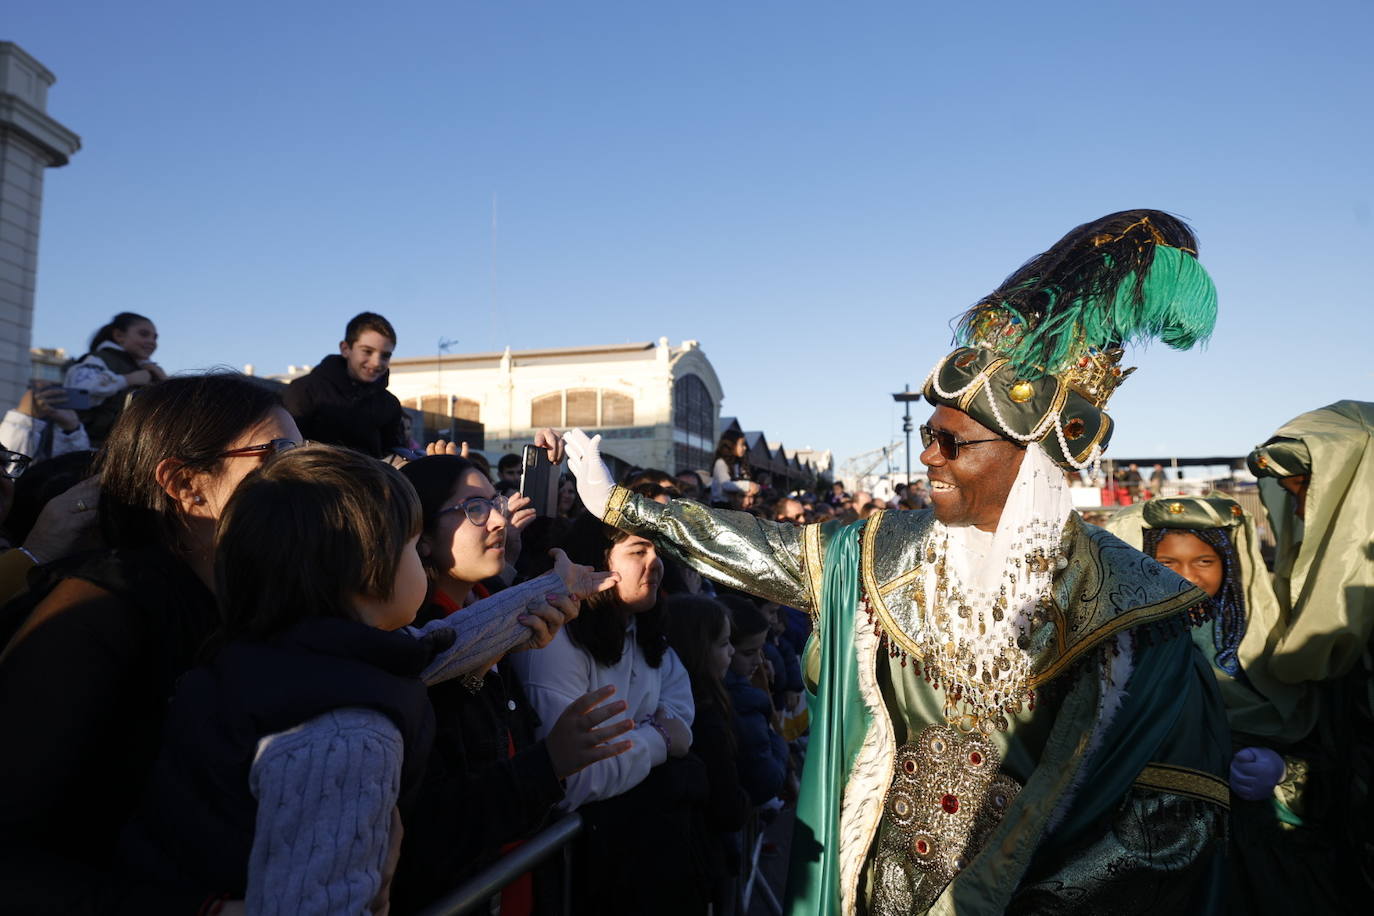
<point>478,508</point>
<point>949,445</point>
<point>13,464</point>
<point>265,449</point>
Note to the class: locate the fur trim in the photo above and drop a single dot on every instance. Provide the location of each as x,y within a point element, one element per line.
<point>861,803</point>
<point>1117,665</point>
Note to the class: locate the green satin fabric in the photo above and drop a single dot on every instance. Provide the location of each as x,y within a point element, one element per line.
<point>1324,570</point>
<point>839,720</point>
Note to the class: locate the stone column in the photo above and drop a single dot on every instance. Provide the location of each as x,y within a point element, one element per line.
<point>30,142</point>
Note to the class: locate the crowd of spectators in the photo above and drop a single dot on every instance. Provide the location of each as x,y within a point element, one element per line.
<point>260,653</point>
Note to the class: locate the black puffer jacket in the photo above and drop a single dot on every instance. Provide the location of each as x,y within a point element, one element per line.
<point>331,406</point>
<point>83,698</point>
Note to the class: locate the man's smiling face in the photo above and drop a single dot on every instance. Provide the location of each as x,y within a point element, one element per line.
<point>972,488</point>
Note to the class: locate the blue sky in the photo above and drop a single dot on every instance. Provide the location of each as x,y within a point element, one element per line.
<point>811,190</point>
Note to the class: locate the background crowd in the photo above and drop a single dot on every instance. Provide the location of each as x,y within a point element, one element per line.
<point>261,652</point>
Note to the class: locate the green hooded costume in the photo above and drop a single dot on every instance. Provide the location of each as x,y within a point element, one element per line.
<point>1282,847</point>
<point>1324,583</point>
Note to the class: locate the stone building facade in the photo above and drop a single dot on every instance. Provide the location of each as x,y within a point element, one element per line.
<point>30,142</point>
<point>654,404</point>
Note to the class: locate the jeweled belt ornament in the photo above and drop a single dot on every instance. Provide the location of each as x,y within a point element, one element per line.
<point>946,797</point>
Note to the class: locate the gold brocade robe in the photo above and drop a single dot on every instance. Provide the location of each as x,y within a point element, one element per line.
<point>1095,827</point>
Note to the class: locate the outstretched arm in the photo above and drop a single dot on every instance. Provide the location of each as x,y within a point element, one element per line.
<point>773,560</point>
<point>737,549</point>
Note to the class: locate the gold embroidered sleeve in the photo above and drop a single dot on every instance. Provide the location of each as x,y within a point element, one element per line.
<point>773,560</point>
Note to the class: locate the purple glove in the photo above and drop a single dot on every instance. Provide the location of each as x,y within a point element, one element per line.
<point>1255,771</point>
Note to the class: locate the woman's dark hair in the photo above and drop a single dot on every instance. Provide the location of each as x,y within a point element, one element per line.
<point>600,627</point>
<point>434,478</point>
<point>725,448</point>
<point>192,420</point>
<point>121,322</point>
<point>694,622</point>
<point>305,534</point>
<point>746,619</point>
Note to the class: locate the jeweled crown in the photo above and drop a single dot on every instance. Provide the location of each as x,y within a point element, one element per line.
<point>1096,374</point>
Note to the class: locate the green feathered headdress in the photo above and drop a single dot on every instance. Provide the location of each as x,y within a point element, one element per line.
<point>1044,349</point>
<point>1128,278</point>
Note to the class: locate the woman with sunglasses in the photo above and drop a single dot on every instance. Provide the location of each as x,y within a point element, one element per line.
<point>488,782</point>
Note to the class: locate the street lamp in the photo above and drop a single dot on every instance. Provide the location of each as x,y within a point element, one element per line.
<point>905,397</point>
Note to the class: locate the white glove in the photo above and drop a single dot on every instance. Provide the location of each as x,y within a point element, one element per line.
<point>594,482</point>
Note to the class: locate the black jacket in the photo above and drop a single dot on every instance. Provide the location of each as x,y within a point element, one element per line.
<point>476,795</point>
<point>82,702</point>
<point>331,406</point>
<point>195,830</point>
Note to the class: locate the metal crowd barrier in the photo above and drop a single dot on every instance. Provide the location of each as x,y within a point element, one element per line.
<point>481,887</point>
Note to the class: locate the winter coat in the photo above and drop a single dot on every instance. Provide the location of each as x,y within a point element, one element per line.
<point>83,697</point>
<point>761,752</point>
<point>331,406</point>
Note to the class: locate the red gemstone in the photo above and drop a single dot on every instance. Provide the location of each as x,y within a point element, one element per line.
<point>909,766</point>
<point>922,847</point>
<point>950,803</point>
<point>976,759</point>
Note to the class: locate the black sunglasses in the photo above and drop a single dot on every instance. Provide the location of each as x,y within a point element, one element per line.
<point>949,445</point>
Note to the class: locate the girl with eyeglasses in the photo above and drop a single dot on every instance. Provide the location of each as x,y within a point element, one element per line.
<point>489,781</point>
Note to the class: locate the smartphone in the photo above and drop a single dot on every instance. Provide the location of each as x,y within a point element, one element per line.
<point>539,481</point>
<point>77,399</point>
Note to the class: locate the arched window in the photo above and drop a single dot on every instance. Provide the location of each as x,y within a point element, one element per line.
<point>467,409</point>
<point>694,413</point>
<point>547,411</point>
<point>617,409</point>
<point>581,407</point>
<point>588,407</point>
<point>447,406</point>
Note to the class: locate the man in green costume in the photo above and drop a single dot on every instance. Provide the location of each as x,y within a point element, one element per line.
<point>1002,717</point>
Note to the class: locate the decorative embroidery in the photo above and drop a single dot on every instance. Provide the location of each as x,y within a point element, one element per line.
<point>946,797</point>
<point>1197,784</point>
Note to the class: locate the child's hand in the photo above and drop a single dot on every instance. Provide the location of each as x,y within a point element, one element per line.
<point>545,620</point>
<point>581,581</point>
<point>575,741</point>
